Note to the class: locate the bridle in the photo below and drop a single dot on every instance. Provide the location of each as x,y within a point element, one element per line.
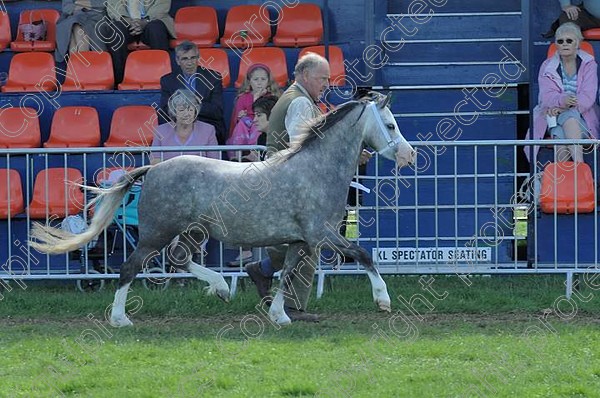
<point>392,144</point>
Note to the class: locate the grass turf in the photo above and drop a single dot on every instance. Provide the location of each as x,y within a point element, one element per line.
<point>502,336</point>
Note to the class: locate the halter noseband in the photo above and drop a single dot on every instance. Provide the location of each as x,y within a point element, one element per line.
<point>391,143</point>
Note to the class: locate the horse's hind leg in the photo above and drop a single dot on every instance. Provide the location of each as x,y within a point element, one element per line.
<point>378,286</point>
<point>129,269</point>
<point>292,258</point>
<point>181,254</point>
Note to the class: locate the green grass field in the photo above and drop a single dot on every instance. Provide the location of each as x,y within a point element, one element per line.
<point>500,337</point>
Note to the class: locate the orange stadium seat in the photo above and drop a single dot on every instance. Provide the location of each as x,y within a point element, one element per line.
<point>273,57</point>
<point>144,68</point>
<point>584,46</point>
<point>592,34</point>
<point>336,62</point>
<point>54,193</point>
<point>19,128</point>
<point>27,16</point>
<point>74,127</point>
<point>245,27</point>
<point>11,194</point>
<point>197,24</point>
<point>558,193</point>
<point>5,36</point>
<point>89,70</point>
<point>299,26</point>
<point>27,70</point>
<point>216,59</point>
<point>132,125</point>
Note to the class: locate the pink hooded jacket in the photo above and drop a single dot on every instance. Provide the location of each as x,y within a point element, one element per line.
<point>552,95</point>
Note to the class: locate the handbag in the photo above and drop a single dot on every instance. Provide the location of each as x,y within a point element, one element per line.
<point>34,30</point>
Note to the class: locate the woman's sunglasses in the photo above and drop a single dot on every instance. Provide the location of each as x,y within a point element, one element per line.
<point>561,41</point>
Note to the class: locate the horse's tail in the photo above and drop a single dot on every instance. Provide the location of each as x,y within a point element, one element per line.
<point>54,240</point>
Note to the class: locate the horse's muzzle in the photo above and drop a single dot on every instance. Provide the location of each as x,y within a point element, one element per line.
<point>406,156</point>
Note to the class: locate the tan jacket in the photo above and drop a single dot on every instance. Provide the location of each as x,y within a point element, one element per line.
<point>155,9</point>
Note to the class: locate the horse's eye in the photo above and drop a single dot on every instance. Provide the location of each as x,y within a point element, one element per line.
<point>390,126</point>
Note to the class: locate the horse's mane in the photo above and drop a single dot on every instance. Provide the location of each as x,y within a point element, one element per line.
<point>318,127</point>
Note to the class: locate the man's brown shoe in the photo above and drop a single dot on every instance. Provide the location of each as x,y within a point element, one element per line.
<point>299,315</point>
<point>263,283</point>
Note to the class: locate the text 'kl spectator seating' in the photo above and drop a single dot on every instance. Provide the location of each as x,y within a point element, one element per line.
<point>144,68</point>
<point>49,16</point>
<point>273,57</point>
<point>197,24</point>
<point>31,72</point>
<point>74,127</point>
<point>299,26</point>
<point>245,27</point>
<point>5,35</point>
<point>19,128</point>
<point>132,125</point>
<point>89,70</point>
<point>55,193</point>
<point>11,194</point>
<point>336,63</point>
<point>216,59</point>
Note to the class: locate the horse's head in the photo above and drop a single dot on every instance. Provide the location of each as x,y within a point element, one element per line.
<point>382,132</point>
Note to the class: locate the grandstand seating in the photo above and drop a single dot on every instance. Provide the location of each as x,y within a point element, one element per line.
<point>5,35</point>
<point>11,193</point>
<point>336,62</point>
<point>74,127</point>
<point>299,26</point>
<point>19,128</point>
<point>197,24</point>
<point>132,125</point>
<point>89,70</point>
<point>50,16</point>
<point>144,68</point>
<point>245,27</point>
<point>273,57</point>
<point>55,194</point>
<point>216,59</point>
<point>27,70</point>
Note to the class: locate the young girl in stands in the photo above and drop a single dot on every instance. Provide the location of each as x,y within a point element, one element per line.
<point>258,83</point>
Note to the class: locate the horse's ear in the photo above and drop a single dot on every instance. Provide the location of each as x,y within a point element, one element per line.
<point>385,101</point>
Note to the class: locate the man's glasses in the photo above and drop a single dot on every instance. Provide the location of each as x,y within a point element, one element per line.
<point>561,41</point>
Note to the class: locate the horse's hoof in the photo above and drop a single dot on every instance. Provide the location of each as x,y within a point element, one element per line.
<point>387,307</point>
<point>120,322</point>
<point>223,294</point>
<point>280,319</point>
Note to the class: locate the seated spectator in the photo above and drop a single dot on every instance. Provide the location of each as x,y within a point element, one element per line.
<point>568,84</point>
<point>185,130</point>
<point>76,29</point>
<point>136,20</point>
<point>242,130</point>
<point>261,108</point>
<point>206,84</point>
<point>587,15</point>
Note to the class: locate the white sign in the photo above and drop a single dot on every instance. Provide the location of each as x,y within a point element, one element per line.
<point>432,254</point>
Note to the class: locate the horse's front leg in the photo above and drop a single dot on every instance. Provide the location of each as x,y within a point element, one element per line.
<point>292,258</point>
<point>378,286</point>
<point>181,255</point>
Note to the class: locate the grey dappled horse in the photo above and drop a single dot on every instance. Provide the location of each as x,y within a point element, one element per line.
<point>293,197</point>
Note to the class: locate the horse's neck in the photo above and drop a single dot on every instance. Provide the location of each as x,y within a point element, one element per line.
<point>338,151</point>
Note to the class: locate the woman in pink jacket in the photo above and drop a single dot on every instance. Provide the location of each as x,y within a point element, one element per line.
<point>568,89</point>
